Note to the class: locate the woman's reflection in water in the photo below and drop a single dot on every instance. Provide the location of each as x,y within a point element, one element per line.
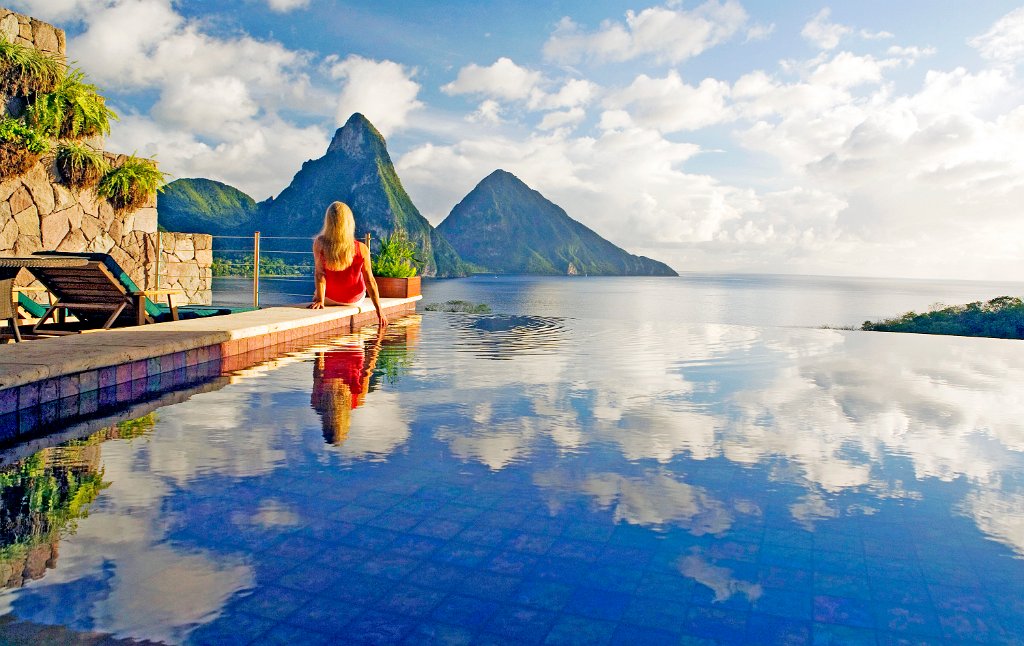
<point>341,379</point>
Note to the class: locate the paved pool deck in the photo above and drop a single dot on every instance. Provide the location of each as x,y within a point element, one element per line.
<point>34,373</point>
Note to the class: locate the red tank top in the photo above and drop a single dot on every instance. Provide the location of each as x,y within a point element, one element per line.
<point>345,285</point>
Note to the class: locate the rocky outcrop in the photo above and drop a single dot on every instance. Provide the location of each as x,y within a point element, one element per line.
<point>39,212</point>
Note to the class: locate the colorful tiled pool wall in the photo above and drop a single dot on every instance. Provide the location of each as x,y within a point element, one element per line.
<point>28,409</point>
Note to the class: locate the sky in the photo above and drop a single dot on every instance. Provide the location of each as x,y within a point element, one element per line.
<point>869,138</point>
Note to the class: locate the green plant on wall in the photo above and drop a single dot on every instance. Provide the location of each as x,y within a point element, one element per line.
<point>26,70</point>
<point>74,109</point>
<point>80,165</point>
<point>396,257</point>
<point>130,184</point>
<point>20,147</point>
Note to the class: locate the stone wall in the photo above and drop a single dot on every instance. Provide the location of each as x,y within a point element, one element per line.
<point>38,212</point>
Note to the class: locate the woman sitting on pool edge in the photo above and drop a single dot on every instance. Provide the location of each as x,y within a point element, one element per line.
<point>342,270</point>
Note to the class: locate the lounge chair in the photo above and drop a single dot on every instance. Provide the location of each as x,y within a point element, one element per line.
<point>100,294</point>
<point>9,269</point>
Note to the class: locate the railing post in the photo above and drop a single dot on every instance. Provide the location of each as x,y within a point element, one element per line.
<point>159,252</point>
<point>256,270</point>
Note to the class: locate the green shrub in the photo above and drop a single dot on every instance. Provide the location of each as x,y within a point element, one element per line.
<point>80,165</point>
<point>396,257</point>
<point>74,109</point>
<point>1001,318</point>
<point>25,70</point>
<point>20,147</point>
<point>130,184</point>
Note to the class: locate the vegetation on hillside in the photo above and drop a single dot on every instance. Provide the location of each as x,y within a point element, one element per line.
<point>507,227</point>
<point>1001,318</point>
<point>242,265</point>
<point>206,206</point>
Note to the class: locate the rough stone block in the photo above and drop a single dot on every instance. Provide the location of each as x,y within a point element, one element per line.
<point>28,222</point>
<point>38,184</point>
<point>20,200</point>
<point>9,26</point>
<point>204,257</point>
<point>63,198</point>
<point>8,235</point>
<point>45,37</point>
<point>90,202</point>
<point>8,186</point>
<point>106,215</point>
<point>73,241</point>
<point>26,245</point>
<point>54,227</point>
<point>90,227</point>
<point>145,220</point>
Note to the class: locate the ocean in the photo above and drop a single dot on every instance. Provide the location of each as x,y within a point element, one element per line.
<point>693,298</point>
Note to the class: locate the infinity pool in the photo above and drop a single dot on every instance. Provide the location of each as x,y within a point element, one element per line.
<point>517,479</point>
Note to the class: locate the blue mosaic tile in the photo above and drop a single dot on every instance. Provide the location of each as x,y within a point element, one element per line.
<point>230,630</point>
<point>324,614</point>
<point>598,604</point>
<point>464,611</point>
<point>520,625</point>
<point>771,630</point>
<point>543,594</point>
<point>840,610</point>
<point>837,635</point>
<point>464,554</point>
<point>272,602</point>
<point>378,628</point>
<point>571,630</point>
<point>716,623</point>
<point>662,614</point>
<point>411,600</point>
<point>786,603</point>
<point>388,565</point>
<point>630,635</point>
<point>510,563</point>
<point>436,633</point>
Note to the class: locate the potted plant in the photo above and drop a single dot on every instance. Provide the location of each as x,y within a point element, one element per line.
<point>20,147</point>
<point>80,165</point>
<point>129,185</point>
<point>394,267</point>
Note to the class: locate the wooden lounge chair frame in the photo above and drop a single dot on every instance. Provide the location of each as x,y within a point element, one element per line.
<point>95,293</point>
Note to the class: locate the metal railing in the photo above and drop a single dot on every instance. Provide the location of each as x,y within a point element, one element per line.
<point>287,247</point>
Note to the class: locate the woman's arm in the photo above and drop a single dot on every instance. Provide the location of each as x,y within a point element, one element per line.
<point>319,279</point>
<point>371,285</point>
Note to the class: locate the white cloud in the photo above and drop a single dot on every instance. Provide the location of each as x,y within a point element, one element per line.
<point>663,33</point>
<point>501,80</point>
<point>383,91</point>
<point>489,111</point>
<point>256,156</point>
<point>822,33</point>
<point>553,120</point>
<point>1004,41</point>
<point>52,10</point>
<point>284,6</point>
<point>670,105</point>
<point>760,32</point>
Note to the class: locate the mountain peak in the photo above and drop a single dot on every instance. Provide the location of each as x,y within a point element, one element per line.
<point>505,226</point>
<point>356,137</point>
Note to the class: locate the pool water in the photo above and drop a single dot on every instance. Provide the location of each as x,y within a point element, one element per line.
<point>521,479</point>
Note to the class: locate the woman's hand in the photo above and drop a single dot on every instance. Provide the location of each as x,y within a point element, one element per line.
<point>382,321</point>
<point>315,305</point>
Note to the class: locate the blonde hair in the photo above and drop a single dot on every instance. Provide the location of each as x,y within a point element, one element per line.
<point>338,237</point>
